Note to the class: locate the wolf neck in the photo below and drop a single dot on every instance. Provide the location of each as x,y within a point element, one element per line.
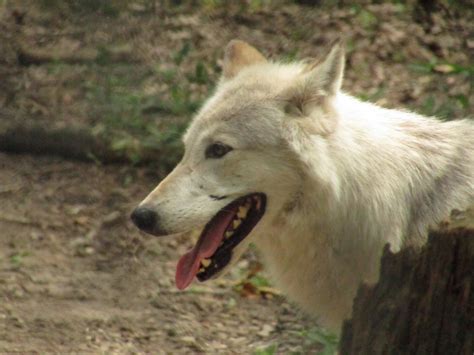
<point>379,171</point>
<point>392,167</point>
<point>384,163</point>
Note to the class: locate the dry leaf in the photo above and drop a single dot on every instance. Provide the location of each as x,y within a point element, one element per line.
<point>444,68</point>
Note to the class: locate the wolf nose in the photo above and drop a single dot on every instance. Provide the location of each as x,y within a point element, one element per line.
<point>144,218</point>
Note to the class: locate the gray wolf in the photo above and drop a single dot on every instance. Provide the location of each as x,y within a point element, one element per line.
<point>318,180</point>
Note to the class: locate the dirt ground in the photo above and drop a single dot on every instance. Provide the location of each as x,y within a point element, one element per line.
<point>76,276</point>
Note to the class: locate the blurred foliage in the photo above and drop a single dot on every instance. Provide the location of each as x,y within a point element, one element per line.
<point>269,350</point>
<point>104,7</point>
<point>315,340</point>
<point>17,259</point>
<point>113,8</point>
<point>445,107</point>
<point>138,121</point>
<point>127,116</point>
<point>317,336</point>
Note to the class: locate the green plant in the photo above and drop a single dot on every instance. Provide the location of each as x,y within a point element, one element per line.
<point>290,56</point>
<point>448,106</point>
<point>372,96</point>
<point>367,19</point>
<point>436,66</point>
<point>201,75</point>
<point>110,8</point>
<point>318,336</point>
<point>17,258</point>
<point>443,109</point>
<point>179,56</point>
<point>136,123</point>
<point>269,350</point>
<point>125,120</point>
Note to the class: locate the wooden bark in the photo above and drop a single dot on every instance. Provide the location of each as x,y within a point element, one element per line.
<point>74,143</point>
<point>422,304</point>
<point>26,55</point>
<point>70,143</point>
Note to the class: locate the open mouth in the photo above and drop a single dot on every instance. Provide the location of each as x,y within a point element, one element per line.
<point>213,250</point>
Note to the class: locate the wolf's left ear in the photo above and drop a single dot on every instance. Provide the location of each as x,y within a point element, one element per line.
<point>238,55</point>
<point>326,75</point>
<point>321,79</point>
<point>311,93</point>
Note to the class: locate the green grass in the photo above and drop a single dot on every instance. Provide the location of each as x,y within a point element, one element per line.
<point>135,122</point>
<point>373,96</point>
<point>448,106</point>
<point>124,121</point>
<point>17,259</point>
<point>313,339</point>
<point>121,108</point>
<point>366,19</point>
<point>110,8</point>
<point>318,337</point>
<point>442,67</point>
<point>269,350</point>
<point>444,109</point>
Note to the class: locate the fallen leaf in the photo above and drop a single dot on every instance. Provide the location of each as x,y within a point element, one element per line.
<point>444,68</point>
<point>82,220</point>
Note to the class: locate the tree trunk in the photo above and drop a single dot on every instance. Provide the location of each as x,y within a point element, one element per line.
<point>422,304</point>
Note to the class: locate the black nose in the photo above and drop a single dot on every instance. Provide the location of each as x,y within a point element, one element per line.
<point>144,218</point>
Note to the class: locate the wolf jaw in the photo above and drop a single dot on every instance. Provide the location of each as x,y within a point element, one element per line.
<point>227,229</point>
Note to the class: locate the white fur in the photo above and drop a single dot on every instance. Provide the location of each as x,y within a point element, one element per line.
<point>343,177</point>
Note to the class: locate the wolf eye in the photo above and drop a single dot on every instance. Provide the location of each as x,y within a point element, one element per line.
<point>217,150</point>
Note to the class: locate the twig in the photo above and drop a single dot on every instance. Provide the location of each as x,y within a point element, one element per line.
<point>18,271</point>
<point>193,291</point>
<point>26,221</point>
<point>10,188</point>
<point>16,219</point>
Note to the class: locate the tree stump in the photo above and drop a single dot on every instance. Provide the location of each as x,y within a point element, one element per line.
<point>423,302</point>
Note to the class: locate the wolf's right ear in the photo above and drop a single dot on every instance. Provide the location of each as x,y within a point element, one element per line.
<point>238,55</point>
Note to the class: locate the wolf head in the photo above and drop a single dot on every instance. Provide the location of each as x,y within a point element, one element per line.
<point>244,160</point>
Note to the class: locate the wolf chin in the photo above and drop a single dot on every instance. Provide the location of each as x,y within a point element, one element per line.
<point>318,180</point>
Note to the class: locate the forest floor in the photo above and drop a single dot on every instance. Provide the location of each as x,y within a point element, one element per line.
<point>75,275</point>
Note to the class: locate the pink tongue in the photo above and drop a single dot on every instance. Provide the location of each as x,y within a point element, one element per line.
<point>207,244</point>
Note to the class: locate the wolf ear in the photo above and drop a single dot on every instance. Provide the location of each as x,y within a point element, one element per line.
<point>239,54</point>
<point>321,79</point>
<point>310,95</point>
<point>328,73</point>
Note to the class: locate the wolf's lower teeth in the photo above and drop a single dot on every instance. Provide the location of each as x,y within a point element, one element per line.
<point>236,223</point>
<point>206,262</point>
<point>257,203</point>
<point>228,234</point>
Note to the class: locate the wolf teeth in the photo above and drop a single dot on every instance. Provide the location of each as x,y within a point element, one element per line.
<point>258,202</point>
<point>229,234</point>
<point>236,223</point>
<point>242,212</point>
<point>206,262</point>
<point>201,270</point>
